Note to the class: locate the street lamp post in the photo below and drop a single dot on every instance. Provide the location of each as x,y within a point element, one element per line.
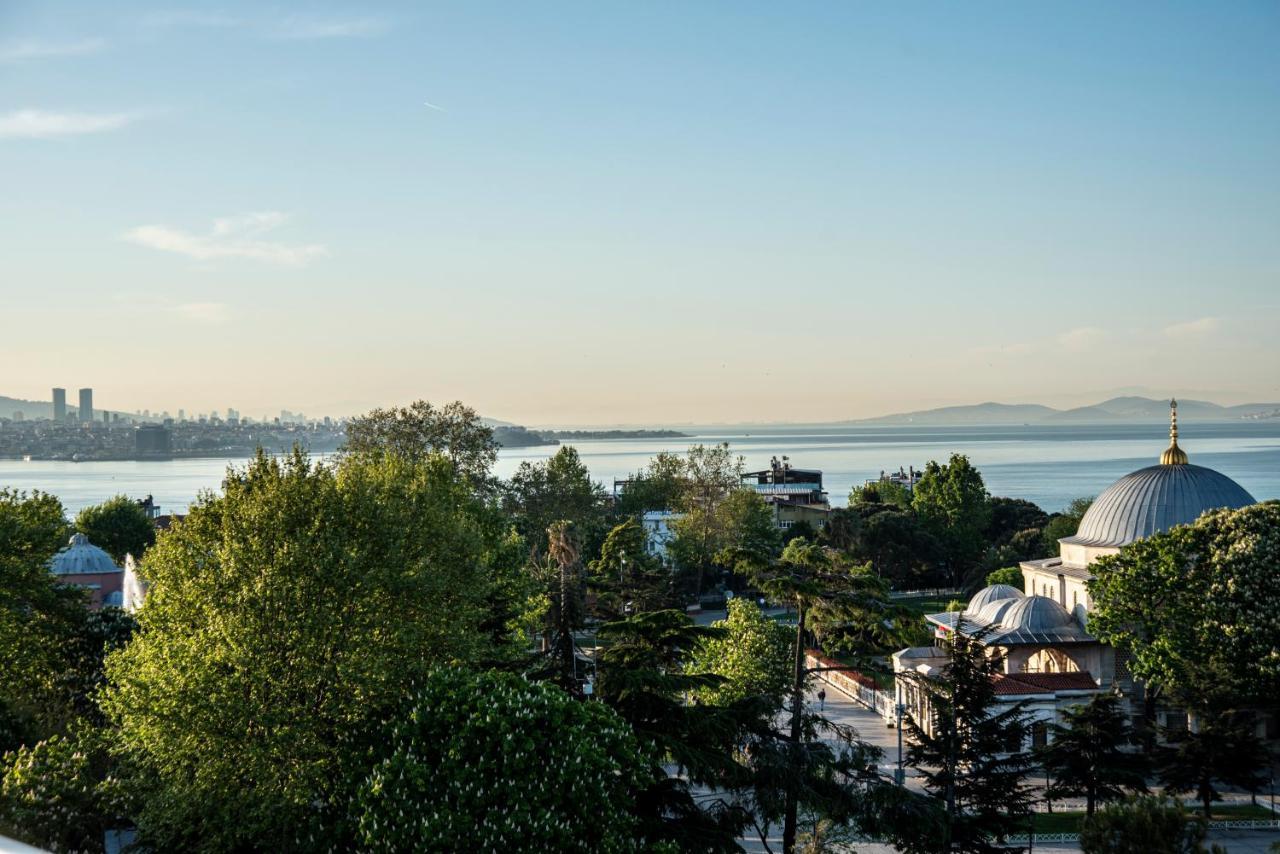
<point>900,776</point>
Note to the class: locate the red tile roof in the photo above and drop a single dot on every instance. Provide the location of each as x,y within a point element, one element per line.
<point>1042,683</point>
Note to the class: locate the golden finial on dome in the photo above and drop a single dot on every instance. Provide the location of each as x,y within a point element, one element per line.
<point>1173,455</point>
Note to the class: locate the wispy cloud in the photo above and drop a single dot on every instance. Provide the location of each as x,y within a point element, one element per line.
<point>303,29</point>
<point>1080,339</point>
<point>33,49</point>
<point>206,313</point>
<point>1200,328</point>
<point>291,28</point>
<point>231,237</point>
<point>200,312</point>
<point>45,124</point>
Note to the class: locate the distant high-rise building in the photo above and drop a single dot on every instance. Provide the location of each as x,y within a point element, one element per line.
<point>59,404</point>
<point>86,404</point>
<point>182,415</point>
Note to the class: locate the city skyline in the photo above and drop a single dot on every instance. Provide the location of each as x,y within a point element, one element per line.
<point>727,213</point>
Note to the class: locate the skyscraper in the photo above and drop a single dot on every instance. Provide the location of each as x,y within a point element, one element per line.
<point>59,404</point>
<point>86,404</point>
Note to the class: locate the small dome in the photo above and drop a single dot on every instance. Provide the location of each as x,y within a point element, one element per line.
<point>1036,614</point>
<point>1155,499</point>
<point>987,595</point>
<point>81,557</point>
<point>993,613</point>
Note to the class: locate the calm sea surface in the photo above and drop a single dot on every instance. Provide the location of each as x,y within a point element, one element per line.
<point>1047,465</point>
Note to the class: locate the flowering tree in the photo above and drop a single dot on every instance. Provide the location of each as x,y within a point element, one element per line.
<point>1198,607</point>
<point>493,762</point>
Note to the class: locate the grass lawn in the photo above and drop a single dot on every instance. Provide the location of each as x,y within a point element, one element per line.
<point>926,605</point>
<point>1069,822</point>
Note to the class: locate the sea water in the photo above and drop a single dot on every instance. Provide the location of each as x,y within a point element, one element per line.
<point>1046,465</point>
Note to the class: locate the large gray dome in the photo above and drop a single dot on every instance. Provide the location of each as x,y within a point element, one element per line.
<point>82,557</point>
<point>1155,499</point>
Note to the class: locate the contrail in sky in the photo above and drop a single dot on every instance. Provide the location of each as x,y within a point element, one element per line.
<point>433,106</point>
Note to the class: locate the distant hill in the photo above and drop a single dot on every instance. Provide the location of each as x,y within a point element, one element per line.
<point>1117,410</point>
<point>978,413</point>
<point>28,408</point>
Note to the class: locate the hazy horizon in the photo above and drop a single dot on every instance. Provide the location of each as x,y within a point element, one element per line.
<point>581,215</point>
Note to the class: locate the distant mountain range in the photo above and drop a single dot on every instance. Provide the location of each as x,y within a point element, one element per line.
<point>1117,410</point>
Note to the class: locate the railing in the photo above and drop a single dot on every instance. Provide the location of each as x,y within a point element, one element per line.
<point>856,686</point>
<point>1218,824</point>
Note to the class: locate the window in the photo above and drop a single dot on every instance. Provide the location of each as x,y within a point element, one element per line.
<point>1175,721</point>
<point>1075,598</point>
<point>1039,734</point>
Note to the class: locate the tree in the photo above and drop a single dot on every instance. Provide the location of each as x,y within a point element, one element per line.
<point>1010,575</point>
<point>952,501</point>
<point>626,578</point>
<point>800,773</point>
<point>658,486</point>
<point>885,492</point>
<point>710,475</point>
<point>1008,516</point>
<point>753,657</point>
<point>968,752</point>
<point>1195,606</point>
<point>1089,754</point>
<point>1221,748</point>
<point>644,678</point>
<point>53,792</point>
<point>421,430</point>
<point>286,619</point>
<point>1144,824</point>
<point>1064,524</point>
<point>492,762</point>
<point>118,526</point>
<point>567,612</point>
<point>559,489</point>
<point>38,620</point>
<point>899,547</point>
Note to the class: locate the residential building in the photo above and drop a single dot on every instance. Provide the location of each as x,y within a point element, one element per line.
<point>59,404</point>
<point>793,494</point>
<point>86,404</point>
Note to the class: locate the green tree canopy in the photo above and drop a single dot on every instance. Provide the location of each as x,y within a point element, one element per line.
<point>421,430</point>
<point>1091,754</point>
<point>1010,575</point>
<point>118,526</point>
<point>1064,524</point>
<point>969,753</point>
<point>38,619</point>
<point>492,762</point>
<point>753,656</point>
<point>626,578</point>
<point>1144,824</point>
<point>559,489</point>
<point>285,619</point>
<point>1196,606</point>
<point>952,501</point>
<point>1221,749</point>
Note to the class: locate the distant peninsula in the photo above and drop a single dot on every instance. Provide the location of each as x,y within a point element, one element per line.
<point>515,436</point>
<point>570,435</point>
<point>1117,410</point>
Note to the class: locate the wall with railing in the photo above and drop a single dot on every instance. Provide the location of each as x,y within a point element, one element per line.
<point>856,686</point>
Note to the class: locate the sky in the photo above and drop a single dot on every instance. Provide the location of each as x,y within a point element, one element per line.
<point>639,213</point>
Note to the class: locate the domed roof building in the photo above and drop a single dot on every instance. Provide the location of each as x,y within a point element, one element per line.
<point>1050,659</point>
<point>85,565</point>
<point>1145,502</point>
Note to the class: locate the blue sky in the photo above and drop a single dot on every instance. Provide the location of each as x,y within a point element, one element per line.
<point>622,213</point>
